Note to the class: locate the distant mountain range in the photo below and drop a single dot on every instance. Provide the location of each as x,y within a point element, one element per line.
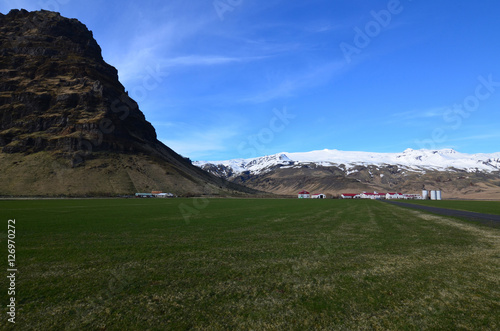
<point>415,160</point>
<point>331,171</point>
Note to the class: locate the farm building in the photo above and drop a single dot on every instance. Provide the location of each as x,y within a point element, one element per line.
<point>144,195</point>
<point>318,196</point>
<point>412,197</point>
<point>394,196</point>
<point>373,196</point>
<point>391,195</point>
<point>349,196</point>
<point>154,194</point>
<point>304,195</point>
<point>164,195</point>
<point>432,195</point>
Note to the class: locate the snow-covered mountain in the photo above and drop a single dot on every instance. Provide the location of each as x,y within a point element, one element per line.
<point>332,172</point>
<point>414,160</point>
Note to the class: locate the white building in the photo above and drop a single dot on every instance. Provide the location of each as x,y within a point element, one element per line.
<point>436,195</point>
<point>412,197</point>
<point>349,196</point>
<point>318,196</point>
<point>391,195</point>
<point>164,195</point>
<point>304,195</point>
<point>394,195</point>
<point>373,196</point>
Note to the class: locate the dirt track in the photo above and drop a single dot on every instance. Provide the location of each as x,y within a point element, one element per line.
<point>488,219</point>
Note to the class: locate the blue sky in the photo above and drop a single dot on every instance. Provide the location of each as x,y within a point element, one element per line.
<point>231,79</point>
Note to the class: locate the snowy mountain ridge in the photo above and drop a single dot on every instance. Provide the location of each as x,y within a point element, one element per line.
<point>415,160</point>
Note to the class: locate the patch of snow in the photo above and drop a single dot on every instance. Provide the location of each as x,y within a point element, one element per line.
<point>415,160</point>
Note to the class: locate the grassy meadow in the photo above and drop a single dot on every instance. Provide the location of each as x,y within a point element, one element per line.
<point>261,264</point>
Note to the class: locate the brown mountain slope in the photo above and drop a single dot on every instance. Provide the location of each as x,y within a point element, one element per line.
<point>68,127</point>
<point>333,181</point>
<point>456,185</point>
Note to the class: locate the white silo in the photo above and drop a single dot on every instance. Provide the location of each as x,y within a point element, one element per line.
<point>425,194</point>
<point>438,195</point>
<point>433,195</point>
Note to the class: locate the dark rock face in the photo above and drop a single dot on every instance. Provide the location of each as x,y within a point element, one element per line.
<point>57,93</point>
<point>67,126</point>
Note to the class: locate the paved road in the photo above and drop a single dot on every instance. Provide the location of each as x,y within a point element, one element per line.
<point>483,218</point>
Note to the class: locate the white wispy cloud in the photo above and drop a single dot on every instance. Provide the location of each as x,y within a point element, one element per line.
<point>487,137</point>
<point>201,60</point>
<point>320,27</point>
<point>308,79</point>
<point>416,114</point>
<point>197,143</point>
<point>155,41</point>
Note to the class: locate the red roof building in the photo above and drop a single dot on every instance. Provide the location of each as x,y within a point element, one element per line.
<point>304,195</point>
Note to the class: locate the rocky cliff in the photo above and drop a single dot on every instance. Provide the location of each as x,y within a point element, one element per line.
<point>68,127</point>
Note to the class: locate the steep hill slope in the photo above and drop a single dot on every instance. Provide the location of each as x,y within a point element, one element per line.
<point>67,126</point>
<point>333,172</point>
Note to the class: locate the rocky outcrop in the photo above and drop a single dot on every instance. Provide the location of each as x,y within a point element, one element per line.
<point>57,93</point>
<point>59,98</point>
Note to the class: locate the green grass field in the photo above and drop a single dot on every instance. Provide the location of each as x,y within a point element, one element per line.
<point>197,264</point>
<point>486,207</point>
